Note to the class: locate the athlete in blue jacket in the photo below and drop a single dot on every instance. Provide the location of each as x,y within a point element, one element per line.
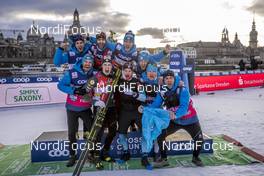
<point>75,52</point>
<point>78,103</point>
<point>151,81</point>
<point>145,58</point>
<point>182,114</point>
<point>127,52</point>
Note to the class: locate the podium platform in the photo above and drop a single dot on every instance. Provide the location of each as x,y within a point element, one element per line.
<point>53,146</point>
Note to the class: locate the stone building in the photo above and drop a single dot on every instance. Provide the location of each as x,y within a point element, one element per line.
<point>226,52</point>
<point>35,47</point>
<point>76,25</point>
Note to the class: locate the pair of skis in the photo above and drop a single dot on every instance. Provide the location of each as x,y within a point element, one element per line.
<point>96,127</point>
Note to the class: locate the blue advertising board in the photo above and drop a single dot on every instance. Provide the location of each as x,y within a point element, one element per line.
<point>57,150</point>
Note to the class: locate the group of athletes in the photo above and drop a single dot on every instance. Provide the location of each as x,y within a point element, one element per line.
<point>92,64</point>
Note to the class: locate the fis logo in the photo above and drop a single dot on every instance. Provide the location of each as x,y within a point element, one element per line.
<point>74,75</point>
<point>71,53</point>
<point>78,58</point>
<point>175,55</point>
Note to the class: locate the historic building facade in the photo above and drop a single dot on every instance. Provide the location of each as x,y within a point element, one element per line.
<point>35,47</point>
<point>226,52</point>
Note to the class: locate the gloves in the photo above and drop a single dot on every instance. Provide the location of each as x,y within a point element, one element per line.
<point>131,93</point>
<point>79,91</point>
<point>135,94</point>
<point>172,115</point>
<point>128,92</point>
<point>99,103</point>
<point>141,109</point>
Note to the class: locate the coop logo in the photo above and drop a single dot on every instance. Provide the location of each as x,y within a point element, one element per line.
<point>18,80</point>
<point>240,81</point>
<point>3,80</point>
<point>177,63</point>
<point>44,79</point>
<point>72,53</point>
<point>58,153</point>
<point>81,81</point>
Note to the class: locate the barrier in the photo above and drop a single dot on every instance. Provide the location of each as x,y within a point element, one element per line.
<point>23,91</point>
<point>228,80</point>
<point>15,94</point>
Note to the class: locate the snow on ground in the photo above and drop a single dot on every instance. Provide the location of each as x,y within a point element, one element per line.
<point>253,170</point>
<point>239,114</point>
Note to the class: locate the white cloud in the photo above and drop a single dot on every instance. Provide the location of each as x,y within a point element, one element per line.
<point>198,20</point>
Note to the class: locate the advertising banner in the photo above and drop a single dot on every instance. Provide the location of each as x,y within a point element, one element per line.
<point>30,94</point>
<point>212,83</point>
<point>57,150</point>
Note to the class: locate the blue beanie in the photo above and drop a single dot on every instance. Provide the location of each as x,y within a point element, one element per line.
<point>168,73</point>
<point>77,37</point>
<point>130,36</point>
<point>144,55</point>
<point>88,57</point>
<point>152,68</point>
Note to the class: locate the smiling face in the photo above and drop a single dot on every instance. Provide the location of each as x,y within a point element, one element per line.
<point>169,81</point>
<point>79,45</point>
<point>127,73</point>
<point>143,64</point>
<point>107,68</point>
<point>152,75</point>
<point>101,42</point>
<point>87,65</point>
<point>128,44</point>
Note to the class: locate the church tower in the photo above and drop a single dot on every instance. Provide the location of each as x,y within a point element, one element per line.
<point>253,36</point>
<point>237,42</point>
<point>225,38</point>
<point>76,25</point>
<point>76,20</point>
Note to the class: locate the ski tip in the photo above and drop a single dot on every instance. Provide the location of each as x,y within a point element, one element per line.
<point>120,161</point>
<point>149,167</point>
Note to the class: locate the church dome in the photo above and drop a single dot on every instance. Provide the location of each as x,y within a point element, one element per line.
<point>33,31</point>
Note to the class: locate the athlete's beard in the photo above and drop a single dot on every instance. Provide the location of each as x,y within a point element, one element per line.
<point>169,84</point>
<point>86,69</point>
<point>152,77</point>
<point>127,49</point>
